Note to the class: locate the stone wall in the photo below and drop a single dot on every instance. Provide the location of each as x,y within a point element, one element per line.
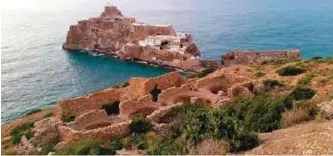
<point>220,82</point>
<point>129,107</point>
<point>114,131</point>
<point>93,101</point>
<point>142,86</point>
<point>91,118</point>
<point>141,31</point>
<point>257,57</point>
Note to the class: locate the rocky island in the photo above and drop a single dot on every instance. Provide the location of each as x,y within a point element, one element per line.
<point>124,37</point>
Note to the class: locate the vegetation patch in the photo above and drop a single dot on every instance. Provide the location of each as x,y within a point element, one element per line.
<point>85,147</point>
<point>259,74</point>
<point>139,125</point>
<point>290,71</point>
<point>121,85</point>
<point>190,75</point>
<point>305,80</point>
<point>23,130</point>
<point>205,72</point>
<point>34,111</point>
<point>48,144</point>
<point>67,117</point>
<point>112,109</point>
<point>300,93</point>
<point>48,115</point>
<point>269,84</point>
<point>155,92</point>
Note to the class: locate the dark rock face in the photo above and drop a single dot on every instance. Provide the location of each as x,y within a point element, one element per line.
<point>258,57</point>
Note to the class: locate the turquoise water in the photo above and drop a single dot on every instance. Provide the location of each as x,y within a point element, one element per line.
<point>36,72</point>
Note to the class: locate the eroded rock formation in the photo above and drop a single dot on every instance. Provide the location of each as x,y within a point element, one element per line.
<point>114,34</point>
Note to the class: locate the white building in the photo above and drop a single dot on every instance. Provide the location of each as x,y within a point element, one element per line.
<point>150,42</point>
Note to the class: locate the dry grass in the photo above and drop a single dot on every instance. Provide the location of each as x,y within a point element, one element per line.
<point>294,116</point>
<point>212,147</point>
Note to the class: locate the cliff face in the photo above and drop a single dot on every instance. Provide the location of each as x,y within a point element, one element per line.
<point>113,33</point>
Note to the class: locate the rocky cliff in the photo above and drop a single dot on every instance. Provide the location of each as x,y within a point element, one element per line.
<point>114,34</point>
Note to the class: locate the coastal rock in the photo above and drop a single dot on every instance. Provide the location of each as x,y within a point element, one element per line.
<point>258,57</point>
<point>114,34</point>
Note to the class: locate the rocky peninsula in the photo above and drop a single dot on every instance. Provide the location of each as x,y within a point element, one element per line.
<point>124,37</point>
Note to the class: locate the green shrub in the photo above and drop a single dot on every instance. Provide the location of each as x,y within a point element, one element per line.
<point>34,111</point>
<point>85,147</point>
<point>48,115</point>
<point>170,147</point>
<point>305,80</point>
<point>190,75</point>
<point>300,93</point>
<point>18,132</point>
<point>155,92</point>
<point>259,74</point>
<point>67,117</point>
<point>121,85</point>
<point>115,145</point>
<point>139,125</point>
<point>205,72</point>
<point>261,114</point>
<point>290,71</point>
<point>112,109</point>
<point>197,123</point>
<point>48,145</point>
<point>268,84</point>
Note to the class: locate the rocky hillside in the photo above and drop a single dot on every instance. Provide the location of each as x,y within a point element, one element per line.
<point>276,107</point>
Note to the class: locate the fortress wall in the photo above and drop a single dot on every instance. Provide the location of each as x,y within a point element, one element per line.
<point>257,57</point>
<point>114,131</point>
<point>93,101</point>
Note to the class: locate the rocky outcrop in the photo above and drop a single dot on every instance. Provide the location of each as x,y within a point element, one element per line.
<point>312,138</point>
<point>114,34</point>
<point>257,57</point>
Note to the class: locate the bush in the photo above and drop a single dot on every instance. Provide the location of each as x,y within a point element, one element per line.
<point>261,114</point>
<point>300,93</point>
<point>139,125</point>
<point>170,147</point>
<point>115,145</point>
<point>268,84</point>
<point>305,80</point>
<point>290,71</point>
<point>190,75</point>
<point>205,72</point>
<point>67,117</point>
<point>294,116</point>
<point>34,111</point>
<point>85,147</point>
<point>197,123</point>
<point>155,92</point>
<point>317,58</point>
<point>259,74</point>
<point>48,144</point>
<point>121,85</point>
<point>24,129</point>
<point>212,147</point>
<point>9,151</point>
<point>111,109</point>
<point>48,115</point>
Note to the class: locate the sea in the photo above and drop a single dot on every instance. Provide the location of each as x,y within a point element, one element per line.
<point>36,72</point>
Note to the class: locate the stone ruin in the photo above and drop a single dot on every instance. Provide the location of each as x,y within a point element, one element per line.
<point>91,121</point>
<point>258,57</point>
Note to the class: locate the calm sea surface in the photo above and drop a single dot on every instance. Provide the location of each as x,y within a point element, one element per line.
<point>36,72</point>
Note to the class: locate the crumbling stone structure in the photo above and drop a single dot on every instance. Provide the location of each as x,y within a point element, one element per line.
<point>258,57</point>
